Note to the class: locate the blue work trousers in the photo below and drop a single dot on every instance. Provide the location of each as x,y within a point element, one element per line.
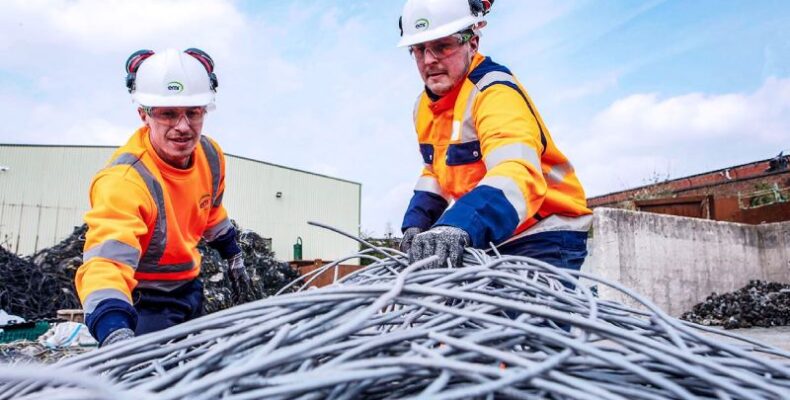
<point>564,249</point>
<point>157,309</point>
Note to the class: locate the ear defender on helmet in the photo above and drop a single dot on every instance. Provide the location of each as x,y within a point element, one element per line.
<point>207,62</point>
<point>480,7</point>
<point>400,25</point>
<point>132,64</point>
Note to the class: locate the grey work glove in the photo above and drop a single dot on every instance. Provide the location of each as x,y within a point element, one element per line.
<point>447,242</point>
<point>240,281</point>
<point>408,237</point>
<point>116,336</point>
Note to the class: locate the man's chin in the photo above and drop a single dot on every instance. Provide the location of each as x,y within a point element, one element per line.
<point>438,88</point>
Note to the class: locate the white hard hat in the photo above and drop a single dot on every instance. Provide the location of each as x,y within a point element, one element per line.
<point>425,20</point>
<point>171,78</point>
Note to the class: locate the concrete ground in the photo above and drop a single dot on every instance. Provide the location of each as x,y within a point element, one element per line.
<point>778,336</point>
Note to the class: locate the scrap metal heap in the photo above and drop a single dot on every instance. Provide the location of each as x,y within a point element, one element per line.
<point>37,286</point>
<point>499,327</point>
<point>34,291</point>
<point>759,303</point>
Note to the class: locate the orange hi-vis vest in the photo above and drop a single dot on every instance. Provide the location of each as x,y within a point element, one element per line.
<point>486,149</point>
<point>146,220</point>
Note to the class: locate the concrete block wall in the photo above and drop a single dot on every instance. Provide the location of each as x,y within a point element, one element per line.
<point>676,262</point>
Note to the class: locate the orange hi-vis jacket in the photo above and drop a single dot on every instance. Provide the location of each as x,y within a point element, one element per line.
<point>146,219</point>
<point>485,147</point>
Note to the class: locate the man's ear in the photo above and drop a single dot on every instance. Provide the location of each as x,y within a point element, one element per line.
<point>474,43</point>
<point>142,115</point>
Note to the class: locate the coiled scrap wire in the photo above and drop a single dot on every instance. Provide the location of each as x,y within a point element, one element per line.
<point>499,327</point>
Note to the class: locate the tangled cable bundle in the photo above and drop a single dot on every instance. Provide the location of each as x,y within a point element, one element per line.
<point>499,327</point>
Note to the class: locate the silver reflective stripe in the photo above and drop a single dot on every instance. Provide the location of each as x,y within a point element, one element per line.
<point>492,77</point>
<point>93,299</point>
<point>512,151</point>
<point>512,192</point>
<point>558,172</point>
<point>165,268</point>
<point>213,162</point>
<point>468,130</point>
<point>156,247</point>
<point>114,250</point>
<point>555,222</point>
<point>166,286</point>
<point>221,228</point>
<point>431,185</point>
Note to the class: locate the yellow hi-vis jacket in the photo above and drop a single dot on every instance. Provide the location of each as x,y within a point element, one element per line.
<point>485,147</point>
<point>146,219</point>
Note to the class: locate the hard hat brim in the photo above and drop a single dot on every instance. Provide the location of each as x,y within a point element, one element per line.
<point>439,32</point>
<point>198,100</point>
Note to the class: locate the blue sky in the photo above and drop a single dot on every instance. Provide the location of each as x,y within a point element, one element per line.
<point>630,90</point>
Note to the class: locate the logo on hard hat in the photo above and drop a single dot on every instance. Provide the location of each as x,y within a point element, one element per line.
<point>421,23</point>
<point>175,87</point>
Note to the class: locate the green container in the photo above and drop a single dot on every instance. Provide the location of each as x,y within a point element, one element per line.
<point>25,331</point>
<point>298,249</point>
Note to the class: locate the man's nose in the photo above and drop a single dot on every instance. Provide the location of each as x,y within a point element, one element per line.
<point>429,57</point>
<point>183,123</point>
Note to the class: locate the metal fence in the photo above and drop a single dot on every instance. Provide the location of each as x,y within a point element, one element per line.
<point>27,228</point>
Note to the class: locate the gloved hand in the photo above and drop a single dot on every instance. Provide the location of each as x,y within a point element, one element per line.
<point>116,336</point>
<point>240,280</point>
<point>408,237</point>
<point>447,242</point>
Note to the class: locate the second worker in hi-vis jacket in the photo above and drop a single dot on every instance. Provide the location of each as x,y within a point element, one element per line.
<point>492,173</point>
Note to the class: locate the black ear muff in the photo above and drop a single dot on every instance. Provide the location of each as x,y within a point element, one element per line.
<point>133,64</point>
<point>400,25</point>
<point>480,8</point>
<point>207,62</point>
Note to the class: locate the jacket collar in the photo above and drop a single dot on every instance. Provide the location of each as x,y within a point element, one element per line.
<point>446,102</point>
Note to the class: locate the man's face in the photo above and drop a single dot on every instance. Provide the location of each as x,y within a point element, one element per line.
<point>444,62</point>
<point>174,132</point>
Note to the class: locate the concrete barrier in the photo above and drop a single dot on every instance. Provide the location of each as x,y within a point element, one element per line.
<point>676,261</point>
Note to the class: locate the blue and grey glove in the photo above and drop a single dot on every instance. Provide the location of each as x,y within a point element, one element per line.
<point>408,238</point>
<point>116,336</point>
<point>446,242</point>
<point>240,280</point>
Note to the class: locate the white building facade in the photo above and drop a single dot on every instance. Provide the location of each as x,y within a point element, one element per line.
<point>44,195</point>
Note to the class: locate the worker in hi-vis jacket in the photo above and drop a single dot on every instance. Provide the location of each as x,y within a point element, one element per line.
<point>492,173</point>
<point>157,197</point>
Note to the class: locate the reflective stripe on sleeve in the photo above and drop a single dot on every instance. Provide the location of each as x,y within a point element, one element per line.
<point>512,151</point>
<point>114,250</point>
<point>512,192</point>
<point>221,228</point>
<point>429,184</point>
<point>94,298</point>
<point>558,172</point>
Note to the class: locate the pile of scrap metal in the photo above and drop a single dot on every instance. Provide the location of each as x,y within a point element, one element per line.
<point>34,291</point>
<point>498,327</point>
<point>37,286</point>
<point>267,273</point>
<point>759,303</point>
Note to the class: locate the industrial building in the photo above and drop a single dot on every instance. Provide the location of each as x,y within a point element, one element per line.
<point>44,195</point>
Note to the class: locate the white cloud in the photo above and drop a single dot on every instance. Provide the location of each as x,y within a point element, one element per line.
<point>97,26</point>
<point>589,88</point>
<point>643,135</point>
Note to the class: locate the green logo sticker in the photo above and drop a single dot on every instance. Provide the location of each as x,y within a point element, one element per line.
<point>421,24</point>
<point>175,87</point>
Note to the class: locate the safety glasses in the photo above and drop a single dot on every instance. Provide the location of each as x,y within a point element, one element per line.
<point>440,50</point>
<point>172,115</point>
